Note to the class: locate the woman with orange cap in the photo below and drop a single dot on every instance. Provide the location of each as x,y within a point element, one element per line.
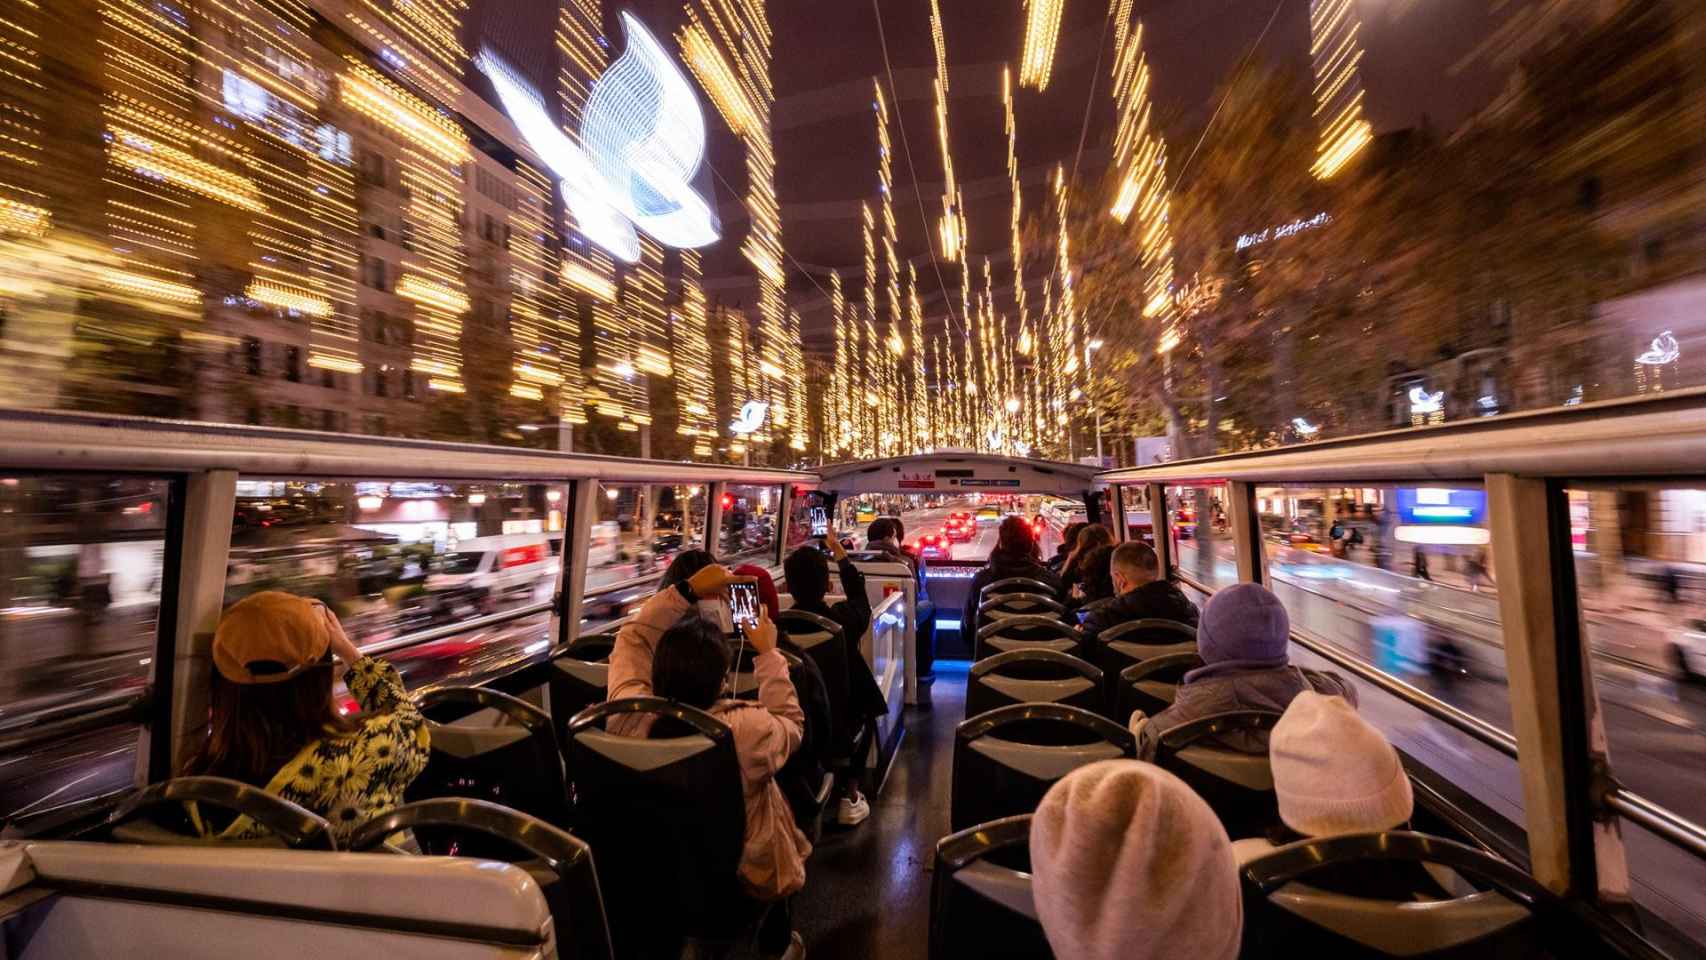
<point>274,723</point>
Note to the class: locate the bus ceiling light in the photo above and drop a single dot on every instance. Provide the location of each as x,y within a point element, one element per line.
<point>476,499</point>
<point>612,493</point>
<point>370,502</point>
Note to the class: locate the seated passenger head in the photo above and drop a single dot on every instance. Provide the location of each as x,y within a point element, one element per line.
<point>1069,536</point>
<point>767,594</point>
<point>1096,573</point>
<point>1134,564</point>
<point>807,573</point>
<point>1334,772</point>
<point>883,528</point>
<point>1015,539</point>
<point>691,661</point>
<point>272,687</point>
<point>684,566</point>
<point>1246,625</point>
<point>1128,863</point>
<point>1092,536</point>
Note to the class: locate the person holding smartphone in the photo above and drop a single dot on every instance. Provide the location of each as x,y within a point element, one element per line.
<point>670,649</point>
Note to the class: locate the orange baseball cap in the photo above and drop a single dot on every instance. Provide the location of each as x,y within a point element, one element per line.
<point>270,636</point>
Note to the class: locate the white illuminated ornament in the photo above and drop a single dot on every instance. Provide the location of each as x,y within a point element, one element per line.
<point>751,417</point>
<point>1664,349</point>
<point>642,141</point>
<point>1421,401</point>
<point>1304,428</point>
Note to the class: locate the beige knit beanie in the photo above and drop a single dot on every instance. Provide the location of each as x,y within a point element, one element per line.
<point>1128,863</point>
<point>1334,772</point>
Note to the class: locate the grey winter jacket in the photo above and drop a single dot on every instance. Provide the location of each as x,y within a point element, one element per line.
<point>1271,688</point>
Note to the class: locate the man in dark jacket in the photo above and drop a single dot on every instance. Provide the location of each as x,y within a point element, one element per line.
<point>855,698</point>
<point>1139,593</point>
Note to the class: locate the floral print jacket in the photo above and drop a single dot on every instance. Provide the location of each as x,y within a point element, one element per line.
<point>351,778</point>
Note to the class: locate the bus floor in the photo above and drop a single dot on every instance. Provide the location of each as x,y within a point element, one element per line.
<point>868,889</point>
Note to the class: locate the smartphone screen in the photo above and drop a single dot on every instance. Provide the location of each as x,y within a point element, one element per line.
<point>743,606</point>
<point>820,522</point>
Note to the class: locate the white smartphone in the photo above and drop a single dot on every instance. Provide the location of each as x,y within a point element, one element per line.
<point>743,606</point>
<point>820,522</point>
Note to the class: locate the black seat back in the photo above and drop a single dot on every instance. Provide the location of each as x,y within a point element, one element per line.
<point>579,678</point>
<point>1027,633</point>
<point>1014,585</point>
<point>1135,641</point>
<point>488,745</point>
<point>1508,914</point>
<point>820,640</point>
<point>560,862</point>
<point>1033,676</point>
<point>1007,758</point>
<point>1151,685</point>
<point>1237,784</point>
<point>169,812</point>
<point>1030,596</point>
<point>980,894</point>
<point>666,817</point>
<point>1004,605</point>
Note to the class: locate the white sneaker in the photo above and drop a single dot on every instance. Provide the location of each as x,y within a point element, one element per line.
<point>852,811</point>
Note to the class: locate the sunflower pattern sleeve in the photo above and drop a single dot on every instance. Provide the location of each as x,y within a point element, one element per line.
<point>352,778</point>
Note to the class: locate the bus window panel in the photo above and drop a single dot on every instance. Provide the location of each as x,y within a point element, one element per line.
<point>1200,534</point>
<point>1640,565</point>
<point>397,557</point>
<point>622,541</point>
<point>679,523</point>
<point>1400,578</point>
<point>748,532</point>
<point>81,562</point>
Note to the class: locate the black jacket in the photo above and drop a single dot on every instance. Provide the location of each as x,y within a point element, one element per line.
<point>1001,567</point>
<point>856,698</point>
<point>1158,599</point>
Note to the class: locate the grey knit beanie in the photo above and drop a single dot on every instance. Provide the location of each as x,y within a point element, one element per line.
<point>1243,622</point>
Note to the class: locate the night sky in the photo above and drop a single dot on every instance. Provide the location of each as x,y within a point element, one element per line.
<point>827,51</point>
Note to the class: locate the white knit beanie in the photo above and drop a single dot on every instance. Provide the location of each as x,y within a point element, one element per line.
<point>1334,772</point>
<point>1128,863</point>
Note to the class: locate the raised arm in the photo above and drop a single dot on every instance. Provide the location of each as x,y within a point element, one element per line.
<point>766,740</point>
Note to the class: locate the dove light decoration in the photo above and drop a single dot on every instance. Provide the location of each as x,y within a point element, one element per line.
<point>751,417</point>
<point>642,139</point>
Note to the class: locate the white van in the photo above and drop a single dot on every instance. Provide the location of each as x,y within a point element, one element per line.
<point>502,565</point>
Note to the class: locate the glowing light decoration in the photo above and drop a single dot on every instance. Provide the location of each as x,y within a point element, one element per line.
<point>1663,350</point>
<point>751,419</point>
<point>1335,52</point>
<point>718,79</point>
<point>691,357</point>
<point>642,141</point>
<point>1140,154</point>
<point>1304,428</point>
<point>1283,230</point>
<point>1042,30</point>
<point>275,294</point>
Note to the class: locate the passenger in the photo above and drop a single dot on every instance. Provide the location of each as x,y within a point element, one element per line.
<point>274,723</point>
<point>1243,639</point>
<point>669,650</point>
<point>1336,774</point>
<point>1128,863</point>
<point>802,777</point>
<point>1095,580</point>
<point>1093,536</point>
<point>1068,539</point>
<point>856,698</point>
<point>885,535</point>
<point>1139,592</point>
<point>1015,555</point>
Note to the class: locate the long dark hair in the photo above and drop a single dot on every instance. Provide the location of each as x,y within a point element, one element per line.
<point>1015,541</point>
<point>1092,535</point>
<point>255,728</point>
<point>684,566</point>
<point>1096,574</point>
<point>690,662</point>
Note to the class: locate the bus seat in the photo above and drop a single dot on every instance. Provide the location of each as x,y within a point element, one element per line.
<point>807,784</point>
<point>1150,685</point>
<point>561,863</point>
<point>1509,915</point>
<point>579,678</point>
<point>497,748</point>
<point>666,818</point>
<point>1007,758</point>
<point>1033,676</point>
<point>195,903</point>
<point>190,810</point>
<point>1027,632</point>
<point>1014,585</point>
<point>1135,641</point>
<point>1238,785</point>
<point>980,897</point>
<point>1004,605</point>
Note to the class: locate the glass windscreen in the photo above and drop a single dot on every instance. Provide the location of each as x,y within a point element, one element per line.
<point>395,558</point>
<point>81,562</point>
<point>1640,564</point>
<point>966,528</point>
<point>749,526</point>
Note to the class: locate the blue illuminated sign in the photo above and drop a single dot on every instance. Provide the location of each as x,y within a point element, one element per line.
<point>1440,505</point>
